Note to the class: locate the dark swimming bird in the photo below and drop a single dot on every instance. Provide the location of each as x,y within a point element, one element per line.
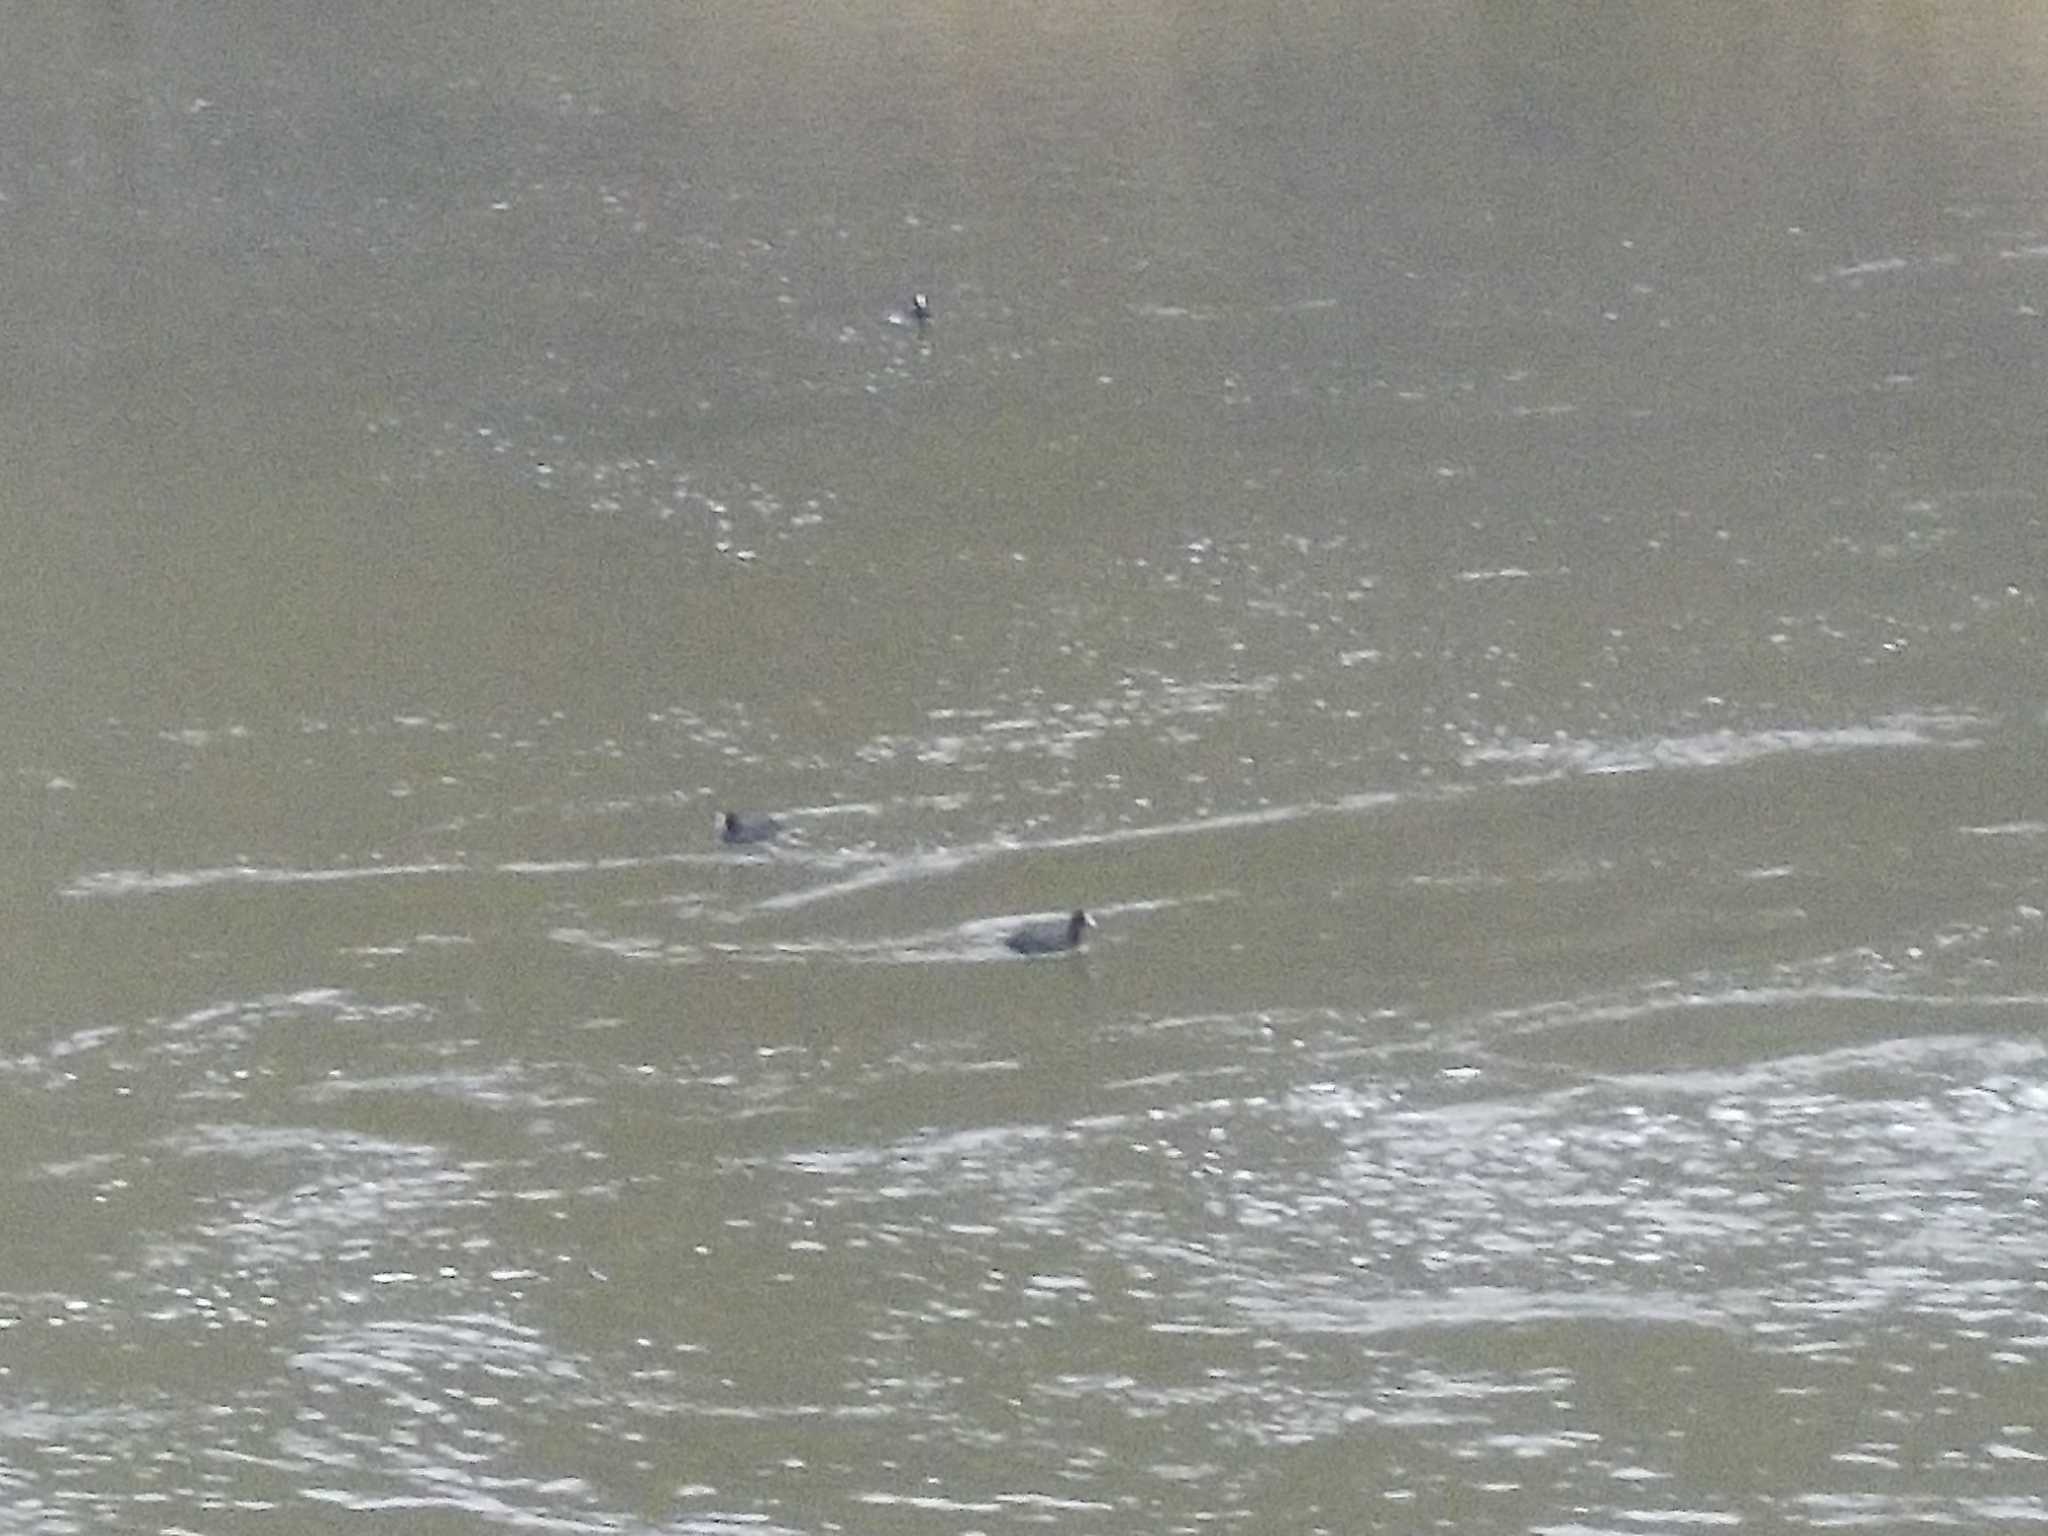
<point>736,828</point>
<point>920,309</point>
<point>1050,938</point>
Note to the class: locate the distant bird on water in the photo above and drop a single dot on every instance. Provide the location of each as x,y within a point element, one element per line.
<point>920,310</point>
<point>739,828</point>
<point>1050,938</point>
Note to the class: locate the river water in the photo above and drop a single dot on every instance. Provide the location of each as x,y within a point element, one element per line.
<point>1497,549</point>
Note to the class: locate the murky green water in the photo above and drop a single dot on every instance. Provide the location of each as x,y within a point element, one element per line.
<point>1496,549</point>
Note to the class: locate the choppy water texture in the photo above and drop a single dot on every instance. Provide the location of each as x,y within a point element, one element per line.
<point>1496,549</point>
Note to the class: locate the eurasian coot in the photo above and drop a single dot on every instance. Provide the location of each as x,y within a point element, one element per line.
<point>737,828</point>
<point>1050,938</point>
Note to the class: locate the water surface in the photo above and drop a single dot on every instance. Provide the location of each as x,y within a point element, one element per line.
<point>1493,549</point>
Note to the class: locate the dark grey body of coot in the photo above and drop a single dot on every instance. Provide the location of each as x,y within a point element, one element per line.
<point>1051,938</point>
<point>738,828</point>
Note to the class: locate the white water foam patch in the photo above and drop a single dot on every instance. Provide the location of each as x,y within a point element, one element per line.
<point>1725,749</point>
<point>947,861</point>
<point>153,882</point>
<point>1857,274</point>
<point>112,883</point>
